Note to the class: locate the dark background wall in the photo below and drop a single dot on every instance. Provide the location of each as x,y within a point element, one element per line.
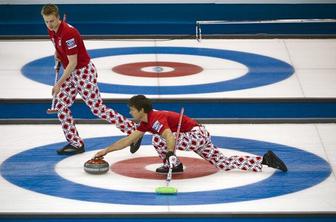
<point>169,19</point>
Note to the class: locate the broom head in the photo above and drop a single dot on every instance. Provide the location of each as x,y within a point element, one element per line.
<point>166,190</point>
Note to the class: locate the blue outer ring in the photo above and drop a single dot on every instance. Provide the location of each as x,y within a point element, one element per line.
<point>262,70</point>
<point>34,170</point>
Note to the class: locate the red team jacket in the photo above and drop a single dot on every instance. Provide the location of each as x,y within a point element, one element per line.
<point>158,121</point>
<point>68,41</point>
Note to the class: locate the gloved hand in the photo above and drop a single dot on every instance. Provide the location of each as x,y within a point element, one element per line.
<point>100,154</point>
<point>171,158</point>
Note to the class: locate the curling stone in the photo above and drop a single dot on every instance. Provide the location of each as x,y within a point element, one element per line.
<point>96,166</point>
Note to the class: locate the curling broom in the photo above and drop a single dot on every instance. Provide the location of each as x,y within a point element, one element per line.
<point>57,67</point>
<point>168,190</point>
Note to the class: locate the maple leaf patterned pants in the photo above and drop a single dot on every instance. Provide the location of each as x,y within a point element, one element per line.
<point>199,141</point>
<point>84,82</point>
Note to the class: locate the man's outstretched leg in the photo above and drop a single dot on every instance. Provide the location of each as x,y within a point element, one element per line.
<point>86,82</point>
<point>199,141</point>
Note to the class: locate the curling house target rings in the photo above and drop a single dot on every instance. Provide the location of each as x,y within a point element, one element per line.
<point>193,168</point>
<point>262,70</point>
<point>28,170</point>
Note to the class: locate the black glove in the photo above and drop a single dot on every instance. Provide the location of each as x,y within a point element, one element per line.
<point>168,155</point>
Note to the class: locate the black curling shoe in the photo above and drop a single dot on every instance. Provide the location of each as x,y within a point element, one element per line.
<point>135,146</point>
<point>271,160</point>
<point>164,169</point>
<point>70,150</point>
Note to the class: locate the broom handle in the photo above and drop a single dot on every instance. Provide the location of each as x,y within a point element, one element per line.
<point>56,68</point>
<point>178,128</point>
<point>174,159</point>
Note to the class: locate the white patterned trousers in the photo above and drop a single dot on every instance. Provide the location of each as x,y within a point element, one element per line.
<point>84,82</point>
<point>199,141</point>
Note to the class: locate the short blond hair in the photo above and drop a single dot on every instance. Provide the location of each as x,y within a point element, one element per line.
<point>50,9</point>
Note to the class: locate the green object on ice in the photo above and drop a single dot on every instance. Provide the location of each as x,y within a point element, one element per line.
<point>166,190</point>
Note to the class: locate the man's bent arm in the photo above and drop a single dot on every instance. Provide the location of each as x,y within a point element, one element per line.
<point>122,143</point>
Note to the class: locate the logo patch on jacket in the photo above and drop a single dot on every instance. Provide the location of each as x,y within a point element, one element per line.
<point>71,43</point>
<point>157,126</point>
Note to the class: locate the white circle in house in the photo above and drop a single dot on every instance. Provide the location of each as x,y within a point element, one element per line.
<point>157,69</point>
